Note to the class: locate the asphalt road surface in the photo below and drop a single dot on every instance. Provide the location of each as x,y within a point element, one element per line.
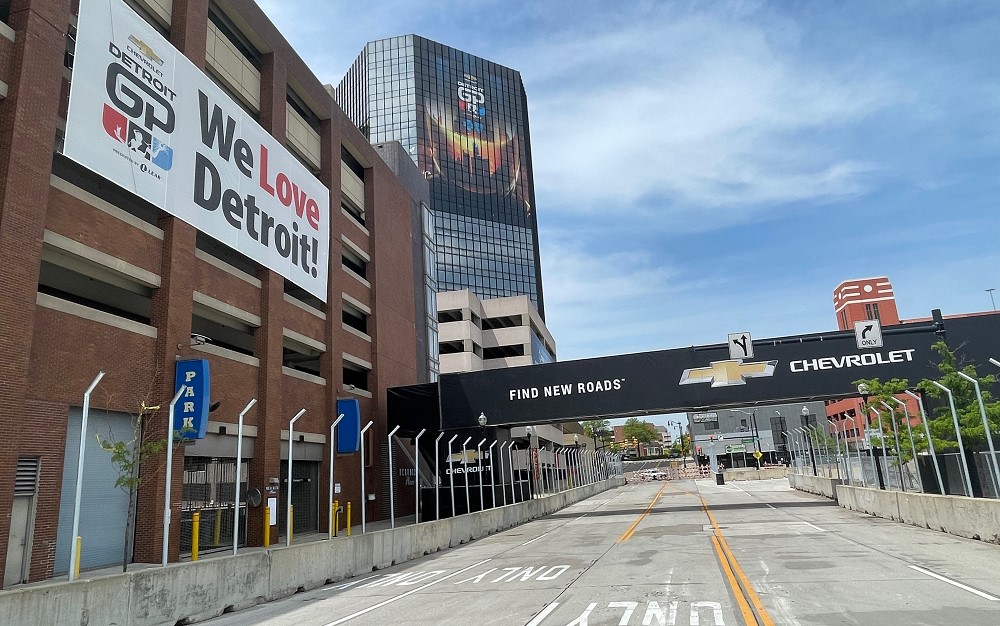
<point>675,553</point>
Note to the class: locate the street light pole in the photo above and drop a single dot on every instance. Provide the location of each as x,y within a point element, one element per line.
<point>930,441</point>
<point>895,435</point>
<point>994,304</point>
<point>958,435</point>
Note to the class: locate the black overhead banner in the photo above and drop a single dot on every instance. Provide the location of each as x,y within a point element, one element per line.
<point>797,368</point>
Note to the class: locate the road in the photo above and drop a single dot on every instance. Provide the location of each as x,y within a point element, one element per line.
<point>677,553</point>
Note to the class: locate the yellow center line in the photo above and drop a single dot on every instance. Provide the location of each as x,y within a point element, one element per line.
<point>729,561</point>
<point>631,529</point>
<point>741,601</point>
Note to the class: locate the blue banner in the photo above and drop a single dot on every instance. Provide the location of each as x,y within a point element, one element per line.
<point>349,428</point>
<point>191,410</point>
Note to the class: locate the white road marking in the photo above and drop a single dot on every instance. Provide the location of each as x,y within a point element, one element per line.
<point>716,613</point>
<point>770,507</point>
<point>533,540</point>
<point>629,609</point>
<point>813,526</point>
<point>764,567</point>
<point>349,584</point>
<point>545,613</point>
<point>955,583</point>
<point>582,620</point>
<point>403,595</point>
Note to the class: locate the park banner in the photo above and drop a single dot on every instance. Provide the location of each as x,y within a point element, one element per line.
<point>144,117</point>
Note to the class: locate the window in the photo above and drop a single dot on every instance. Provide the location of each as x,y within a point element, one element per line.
<point>223,330</point>
<point>843,318</point>
<point>355,375</point>
<point>354,317</point>
<point>509,321</point>
<point>501,352</point>
<point>454,315</point>
<point>68,277</point>
<point>354,263</point>
<point>353,211</point>
<point>299,356</point>
<point>294,291</point>
<point>451,347</point>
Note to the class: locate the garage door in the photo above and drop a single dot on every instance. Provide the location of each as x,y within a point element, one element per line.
<point>103,506</point>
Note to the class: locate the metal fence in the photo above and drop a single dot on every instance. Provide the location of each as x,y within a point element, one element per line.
<point>871,469</point>
<point>210,489</point>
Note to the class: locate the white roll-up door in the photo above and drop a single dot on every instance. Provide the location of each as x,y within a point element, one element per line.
<point>103,506</point>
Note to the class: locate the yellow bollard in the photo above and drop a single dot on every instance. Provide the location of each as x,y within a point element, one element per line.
<point>291,523</point>
<point>79,557</point>
<point>348,518</point>
<point>195,529</point>
<point>333,518</point>
<point>267,526</point>
<point>218,528</point>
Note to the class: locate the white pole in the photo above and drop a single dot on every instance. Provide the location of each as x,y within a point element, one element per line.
<point>493,487</point>
<point>288,492</point>
<point>913,446</point>
<point>333,450</point>
<point>895,434</point>
<point>465,470</point>
<point>416,476</point>
<point>510,465</point>
<point>503,482</point>
<point>437,475</point>
<point>170,473</point>
<point>930,441</point>
<point>958,434</point>
<point>392,479</point>
<point>479,465</point>
<point>364,489</point>
<point>451,475</point>
<point>239,474</point>
<point>73,555</point>
<point>986,426</point>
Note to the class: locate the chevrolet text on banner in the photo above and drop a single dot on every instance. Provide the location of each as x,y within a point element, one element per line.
<point>146,118</point>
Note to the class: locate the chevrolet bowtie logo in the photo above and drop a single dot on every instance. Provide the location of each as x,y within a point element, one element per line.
<point>725,373</point>
<point>145,49</point>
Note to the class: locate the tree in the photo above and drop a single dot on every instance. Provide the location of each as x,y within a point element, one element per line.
<point>644,432</point>
<point>128,456</point>
<point>598,430</point>
<point>940,422</point>
<point>966,404</point>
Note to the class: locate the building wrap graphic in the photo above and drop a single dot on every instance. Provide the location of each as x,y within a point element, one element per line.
<point>146,118</point>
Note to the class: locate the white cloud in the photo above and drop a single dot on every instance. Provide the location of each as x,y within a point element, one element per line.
<point>692,114</point>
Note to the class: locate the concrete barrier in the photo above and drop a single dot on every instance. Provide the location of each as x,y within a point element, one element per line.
<point>820,485</point>
<point>869,500</point>
<point>975,518</point>
<point>195,591</point>
<point>752,473</point>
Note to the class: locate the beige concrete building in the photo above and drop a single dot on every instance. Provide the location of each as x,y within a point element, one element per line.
<point>479,334</point>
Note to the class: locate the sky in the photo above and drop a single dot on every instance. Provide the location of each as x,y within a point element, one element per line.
<point>703,168</point>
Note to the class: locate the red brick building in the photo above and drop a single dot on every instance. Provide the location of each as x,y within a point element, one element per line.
<point>94,278</point>
<point>865,299</point>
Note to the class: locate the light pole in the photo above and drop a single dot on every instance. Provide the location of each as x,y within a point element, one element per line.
<point>885,455</point>
<point>465,470</point>
<point>288,492</point>
<point>986,426</point>
<point>753,432</point>
<point>836,433</point>
<point>990,291</point>
<point>895,435</point>
<point>913,446</point>
<point>857,448</point>
<point>958,435</point>
<point>930,441</point>
<point>529,462</point>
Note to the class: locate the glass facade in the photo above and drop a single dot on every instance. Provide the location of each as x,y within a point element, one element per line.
<point>464,122</point>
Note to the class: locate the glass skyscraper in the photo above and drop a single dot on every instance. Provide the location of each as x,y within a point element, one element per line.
<point>464,122</point>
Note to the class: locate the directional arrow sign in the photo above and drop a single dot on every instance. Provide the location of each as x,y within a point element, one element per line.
<point>740,346</point>
<point>868,334</point>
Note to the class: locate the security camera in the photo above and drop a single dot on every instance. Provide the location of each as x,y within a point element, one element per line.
<point>199,340</point>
